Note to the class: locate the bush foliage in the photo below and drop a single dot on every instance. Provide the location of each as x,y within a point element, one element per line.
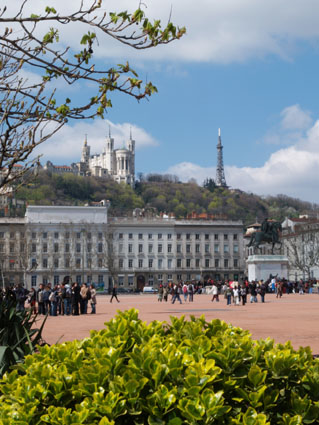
<point>185,372</point>
<point>18,333</point>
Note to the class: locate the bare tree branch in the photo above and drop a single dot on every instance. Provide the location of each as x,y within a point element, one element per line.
<point>30,112</point>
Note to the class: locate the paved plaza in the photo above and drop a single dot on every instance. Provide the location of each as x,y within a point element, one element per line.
<point>293,317</point>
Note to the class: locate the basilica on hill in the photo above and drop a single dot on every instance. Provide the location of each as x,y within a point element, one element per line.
<point>115,164</point>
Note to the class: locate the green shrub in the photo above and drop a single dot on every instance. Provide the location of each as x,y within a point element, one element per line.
<point>18,334</point>
<point>186,372</point>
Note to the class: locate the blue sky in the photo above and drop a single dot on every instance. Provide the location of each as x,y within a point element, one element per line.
<point>249,67</point>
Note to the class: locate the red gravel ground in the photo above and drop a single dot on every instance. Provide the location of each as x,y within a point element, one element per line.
<point>293,317</point>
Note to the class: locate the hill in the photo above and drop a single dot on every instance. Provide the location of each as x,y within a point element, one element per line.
<point>161,195</point>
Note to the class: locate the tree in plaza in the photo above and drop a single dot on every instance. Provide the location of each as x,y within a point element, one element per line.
<point>111,256</point>
<point>302,248</point>
<point>32,109</point>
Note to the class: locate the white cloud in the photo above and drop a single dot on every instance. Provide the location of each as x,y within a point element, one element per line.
<point>292,170</point>
<point>293,117</point>
<point>66,145</point>
<point>217,31</point>
<point>291,129</point>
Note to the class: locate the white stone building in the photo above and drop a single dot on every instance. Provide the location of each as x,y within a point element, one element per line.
<point>117,164</point>
<point>153,251</point>
<point>53,242</point>
<point>12,250</point>
<point>300,238</point>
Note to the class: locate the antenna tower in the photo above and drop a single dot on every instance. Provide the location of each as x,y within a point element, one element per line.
<point>220,174</point>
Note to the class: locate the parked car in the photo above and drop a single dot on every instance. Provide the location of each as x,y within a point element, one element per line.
<point>124,291</point>
<point>149,290</point>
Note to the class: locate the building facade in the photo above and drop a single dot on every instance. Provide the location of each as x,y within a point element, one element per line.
<point>50,243</point>
<point>12,251</point>
<point>300,240</point>
<point>154,251</point>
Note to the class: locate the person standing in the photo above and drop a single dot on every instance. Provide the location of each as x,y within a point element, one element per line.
<point>190,292</point>
<point>93,298</point>
<point>160,293</point>
<point>165,293</point>
<point>21,296</point>
<point>41,306</point>
<point>236,294</point>
<point>84,299</point>
<point>185,292</point>
<point>253,292</point>
<point>75,299</point>
<point>53,298</point>
<point>32,297</point>
<point>46,301</point>
<point>228,294</point>
<point>243,293</point>
<point>114,294</point>
<point>262,291</point>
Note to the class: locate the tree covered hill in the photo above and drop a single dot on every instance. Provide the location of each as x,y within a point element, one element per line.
<point>161,195</point>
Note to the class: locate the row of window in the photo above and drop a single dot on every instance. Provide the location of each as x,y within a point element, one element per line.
<point>180,263</point>
<point>55,235</point>
<point>178,248</point>
<point>56,247</point>
<point>188,236</point>
<point>58,279</point>
<point>58,262</point>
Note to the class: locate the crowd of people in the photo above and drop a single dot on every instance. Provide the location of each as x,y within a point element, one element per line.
<point>186,290</point>
<point>65,299</point>
<point>74,299</point>
<point>235,292</point>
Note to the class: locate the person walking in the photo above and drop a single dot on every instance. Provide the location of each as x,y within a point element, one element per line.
<point>279,289</point>
<point>114,294</point>
<point>176,291</point>
<point>215,293</point>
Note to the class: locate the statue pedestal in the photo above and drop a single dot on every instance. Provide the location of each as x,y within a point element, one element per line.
<point>262,266</point>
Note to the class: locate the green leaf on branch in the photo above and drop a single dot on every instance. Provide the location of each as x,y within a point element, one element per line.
<point>50,10</point>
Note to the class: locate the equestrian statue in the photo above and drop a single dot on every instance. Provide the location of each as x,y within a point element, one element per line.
<point>269,233</point>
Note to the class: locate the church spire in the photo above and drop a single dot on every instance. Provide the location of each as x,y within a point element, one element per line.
<point>109,131</point>
<point>220,174</point>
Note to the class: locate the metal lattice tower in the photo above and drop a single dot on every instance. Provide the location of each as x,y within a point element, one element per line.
<point>220,174</point>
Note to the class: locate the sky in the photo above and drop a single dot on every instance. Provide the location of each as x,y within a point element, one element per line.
<point>249,67</point>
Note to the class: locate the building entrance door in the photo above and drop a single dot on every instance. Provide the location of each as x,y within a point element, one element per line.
<point>140,282</point>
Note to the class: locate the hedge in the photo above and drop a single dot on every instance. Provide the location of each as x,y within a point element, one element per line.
<point>183,372</point>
